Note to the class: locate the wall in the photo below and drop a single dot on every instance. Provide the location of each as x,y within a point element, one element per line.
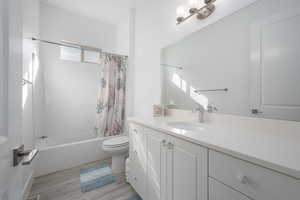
<point>32,103</point>
<point>155,29</point>
<point>70,87</point>
<point>125,46</point>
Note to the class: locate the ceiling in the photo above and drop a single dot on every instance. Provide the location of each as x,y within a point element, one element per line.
<point>109,11</point>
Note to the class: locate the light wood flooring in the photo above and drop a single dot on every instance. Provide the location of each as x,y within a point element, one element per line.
<point>65,185</point>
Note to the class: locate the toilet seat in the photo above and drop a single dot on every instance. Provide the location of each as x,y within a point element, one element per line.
<point>116,142</point>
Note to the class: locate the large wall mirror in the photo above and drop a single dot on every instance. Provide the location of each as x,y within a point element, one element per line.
<point>254,53</point>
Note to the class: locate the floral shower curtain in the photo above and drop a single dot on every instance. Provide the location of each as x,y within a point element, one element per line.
<point>110,111</point>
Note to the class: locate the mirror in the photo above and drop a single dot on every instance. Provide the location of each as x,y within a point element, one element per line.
<point>253,53</point>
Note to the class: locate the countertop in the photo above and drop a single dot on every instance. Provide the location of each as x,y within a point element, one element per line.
<point>273,144</point>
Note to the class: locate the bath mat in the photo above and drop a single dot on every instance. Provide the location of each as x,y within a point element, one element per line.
<point>135,197</point>
<point>96,176</point>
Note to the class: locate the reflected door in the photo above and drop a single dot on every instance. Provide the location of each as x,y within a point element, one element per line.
<point>276,67</point>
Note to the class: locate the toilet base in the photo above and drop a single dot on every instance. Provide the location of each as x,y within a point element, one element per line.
<point>118,164</point>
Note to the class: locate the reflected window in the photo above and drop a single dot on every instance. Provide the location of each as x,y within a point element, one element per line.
<point>25,91</point>
<point>198,98</point>
<point>179,82</point>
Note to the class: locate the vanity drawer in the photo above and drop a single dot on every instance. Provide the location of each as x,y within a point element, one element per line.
<point>254,181</point>
<point>218,191</point>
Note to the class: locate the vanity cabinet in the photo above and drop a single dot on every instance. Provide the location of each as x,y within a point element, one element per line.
<point>175,169</point>
<point>164,167</point>
<point>138,159</point>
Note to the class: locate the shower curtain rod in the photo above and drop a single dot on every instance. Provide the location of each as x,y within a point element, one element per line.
<point>76,45</point>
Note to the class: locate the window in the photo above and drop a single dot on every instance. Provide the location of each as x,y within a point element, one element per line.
<point>70,54</point>
<point>91,56</point>
<point>80,55</point>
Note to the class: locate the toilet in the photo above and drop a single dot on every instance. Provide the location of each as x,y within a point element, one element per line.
<point>118,148</point>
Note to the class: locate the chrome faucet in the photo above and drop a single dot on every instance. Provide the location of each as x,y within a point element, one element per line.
<point>201,113</point>
<point>210,109</point>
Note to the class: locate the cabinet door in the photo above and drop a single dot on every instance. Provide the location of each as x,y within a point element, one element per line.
<point>137,154</point>
<point>156,165</point>
<point>187,173</point>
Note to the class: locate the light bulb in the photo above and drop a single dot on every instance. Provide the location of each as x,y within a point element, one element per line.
<point>180,11</point>
<point>180,14</point>
<point>194,3</point>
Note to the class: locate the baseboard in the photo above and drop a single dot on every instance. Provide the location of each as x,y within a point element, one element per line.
<point>27,186</point>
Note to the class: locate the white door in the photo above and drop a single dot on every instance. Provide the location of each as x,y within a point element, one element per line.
<point>187,172</point>
<point>275,66</point>
<point>156,165</point>
<point>10,97</point>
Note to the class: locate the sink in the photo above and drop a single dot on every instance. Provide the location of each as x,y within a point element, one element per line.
<point>188,126</point>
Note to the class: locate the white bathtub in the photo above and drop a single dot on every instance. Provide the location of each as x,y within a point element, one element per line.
<point>55,157</point>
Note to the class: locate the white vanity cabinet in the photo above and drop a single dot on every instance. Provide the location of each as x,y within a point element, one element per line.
<point>175,169</point>
<point>138,159</point>
<point>166,167</point>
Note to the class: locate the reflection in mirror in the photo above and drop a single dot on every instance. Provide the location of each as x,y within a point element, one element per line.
<point>254,53</point>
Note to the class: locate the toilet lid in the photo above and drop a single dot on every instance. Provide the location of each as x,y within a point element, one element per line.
<point>116,142</point>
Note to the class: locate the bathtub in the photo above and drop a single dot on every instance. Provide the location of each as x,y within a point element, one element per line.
<point>55,157</point>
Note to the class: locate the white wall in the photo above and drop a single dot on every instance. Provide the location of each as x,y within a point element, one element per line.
<point>155,29</point>
<point>32,103</point>
<point>122,37</point>
<point>125,46</point>
<point>70,87</point>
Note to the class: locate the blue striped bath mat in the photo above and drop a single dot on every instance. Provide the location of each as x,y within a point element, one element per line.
<point>135,197</point>
<point>96,176</point>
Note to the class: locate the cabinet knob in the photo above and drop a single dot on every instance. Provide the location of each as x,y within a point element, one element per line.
<point>134,130</point>
<point>242,178</point>
<point>164,143</point>
<point>170,145</point>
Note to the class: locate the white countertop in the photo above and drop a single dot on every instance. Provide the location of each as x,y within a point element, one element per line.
<point>273,144</point>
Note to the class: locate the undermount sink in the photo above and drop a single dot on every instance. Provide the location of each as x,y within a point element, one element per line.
<point>188,126</point>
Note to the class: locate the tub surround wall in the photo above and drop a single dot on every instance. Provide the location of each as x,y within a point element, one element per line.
<point>70,87</point>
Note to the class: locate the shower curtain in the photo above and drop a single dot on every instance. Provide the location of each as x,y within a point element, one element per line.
<point>110,111</point>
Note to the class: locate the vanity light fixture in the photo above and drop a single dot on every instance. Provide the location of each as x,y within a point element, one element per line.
<point>202,9</point>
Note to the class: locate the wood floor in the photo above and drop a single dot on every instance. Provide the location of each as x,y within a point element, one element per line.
<point>65,185</point>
